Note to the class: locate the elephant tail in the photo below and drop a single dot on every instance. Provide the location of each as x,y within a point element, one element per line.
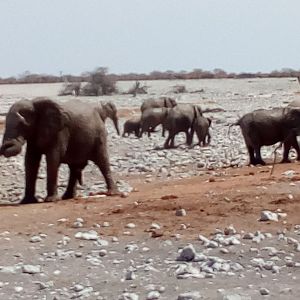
<point>237,123</point>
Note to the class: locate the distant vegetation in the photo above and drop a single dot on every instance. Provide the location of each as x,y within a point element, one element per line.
<point>101,82</point>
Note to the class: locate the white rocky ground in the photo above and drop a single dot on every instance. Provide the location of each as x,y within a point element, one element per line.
<point>84,265</point>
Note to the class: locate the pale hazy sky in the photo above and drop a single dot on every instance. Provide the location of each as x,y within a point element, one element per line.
<point>73,36</point>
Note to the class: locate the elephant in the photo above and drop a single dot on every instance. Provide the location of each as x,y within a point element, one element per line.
<point>295,103</point>
<point>201,127</point>
<point>72,88</point>
<point>181,119</point>
<point>72,133</point>
<point>264,127</point>
<point>151,118</point>
<point>132,125</point>
<point>156,103</point>
<point>108,110</point>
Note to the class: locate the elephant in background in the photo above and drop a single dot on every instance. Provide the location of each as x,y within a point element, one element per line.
<point>109,110</point>
<point>132,125</point>
<point>181,119</point>
<point>156,103</point>
<point>201,127</point>
<point>265,127</point>
<point>72,133</point>
<point>151,118</point>
<point>295,103</point>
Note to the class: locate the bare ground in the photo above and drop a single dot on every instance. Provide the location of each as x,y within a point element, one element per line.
<point>231,196</point>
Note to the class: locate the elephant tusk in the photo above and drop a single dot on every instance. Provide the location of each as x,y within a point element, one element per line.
<point>22,119</point>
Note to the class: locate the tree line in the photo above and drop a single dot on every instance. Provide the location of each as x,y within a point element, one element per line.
<point>28,77</point>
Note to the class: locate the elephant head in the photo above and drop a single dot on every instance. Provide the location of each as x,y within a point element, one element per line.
<point>109,110</point>
<point>169,102</point>
<point>40,120</point>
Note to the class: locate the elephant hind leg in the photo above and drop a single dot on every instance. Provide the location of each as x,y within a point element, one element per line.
<point>252,160</point>
<point>75,175</point>
<point>102,161</point>
<point>286,149</point>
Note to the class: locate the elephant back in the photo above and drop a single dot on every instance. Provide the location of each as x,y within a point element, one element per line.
<point>295,103</point>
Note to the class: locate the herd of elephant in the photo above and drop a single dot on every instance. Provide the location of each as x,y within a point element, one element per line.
<point>74,133</point>
<point>173,118</point>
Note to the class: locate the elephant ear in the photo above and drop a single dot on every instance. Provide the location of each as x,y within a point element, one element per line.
<point>197,111</point>
<point>112,107</point>
<point>50,117</point>
<point>173,102</point>
<point>209,121</point>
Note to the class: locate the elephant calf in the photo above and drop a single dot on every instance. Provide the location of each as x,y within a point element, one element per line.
<point>201,126</point>
<point>72,133</point>
<point>132,125</point>
<point>264,127</point>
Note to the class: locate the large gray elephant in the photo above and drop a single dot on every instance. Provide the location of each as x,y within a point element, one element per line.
<point>156,103</point>
<point>151,118</point>
<point>181,119</point>
<point>265,127</point>
<point>132,125</point>
<point>201,127</point>
<point>108,110</point>
<point>71,133</point>
<point>295,103</point>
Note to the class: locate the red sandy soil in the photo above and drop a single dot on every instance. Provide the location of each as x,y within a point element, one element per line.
<point>236,197</point>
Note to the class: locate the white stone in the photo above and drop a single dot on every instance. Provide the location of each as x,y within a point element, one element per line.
<point>267,215</point>
<point>31,269</point>
<point>188,253</point>
<point>189,296</point>
<point>90,235</point>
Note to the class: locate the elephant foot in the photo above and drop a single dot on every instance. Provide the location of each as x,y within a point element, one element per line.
<point>28,200</point>
<point>113,192</point>
<point>67,196</point>
<point>53,198</point>
<point>257,162</point>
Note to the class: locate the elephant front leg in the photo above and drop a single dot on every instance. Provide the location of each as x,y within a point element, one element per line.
<point>258,160</point>
<point>32,162</point>
<point>189,137</point>
<point>53,162</point>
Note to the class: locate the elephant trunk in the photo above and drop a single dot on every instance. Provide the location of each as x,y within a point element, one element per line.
<point>116,123</point>
<point>12,146</point>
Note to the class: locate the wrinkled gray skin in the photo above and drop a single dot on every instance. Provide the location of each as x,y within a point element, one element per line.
<point>295,103</point>
<point>201,127</point>
<point>151,118</point>
<point>181,119</point>
<point>132,125</point>
<point>72,133</point>
<point>156,103</point>
<point>264,127</point>
<point>109,110</point>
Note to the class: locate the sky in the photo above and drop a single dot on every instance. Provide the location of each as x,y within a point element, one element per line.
<point>74,36</point>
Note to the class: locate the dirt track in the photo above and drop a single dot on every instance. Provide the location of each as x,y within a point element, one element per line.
<point>231,196</point>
